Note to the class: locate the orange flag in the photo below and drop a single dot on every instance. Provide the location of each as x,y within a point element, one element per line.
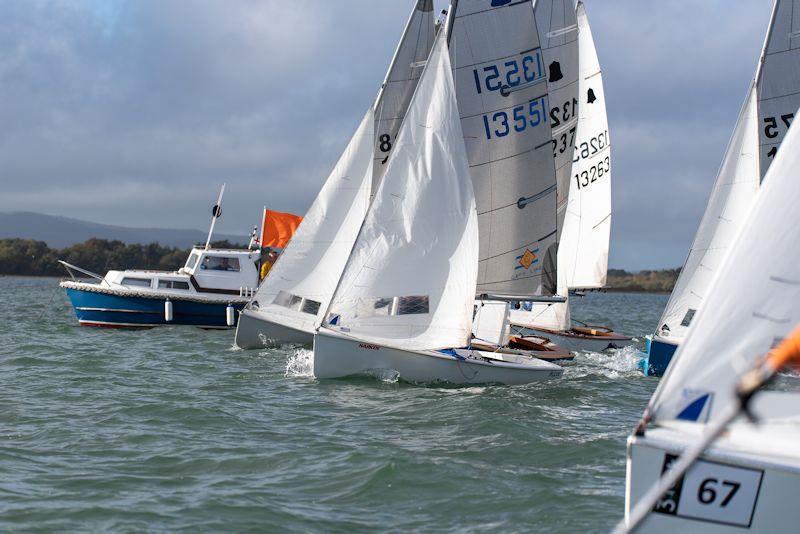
<point>278,228</point>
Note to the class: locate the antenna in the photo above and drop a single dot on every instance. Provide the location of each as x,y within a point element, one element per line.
<point>216,213</point>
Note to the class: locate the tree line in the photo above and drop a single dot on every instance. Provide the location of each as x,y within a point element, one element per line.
<point>28,257</point>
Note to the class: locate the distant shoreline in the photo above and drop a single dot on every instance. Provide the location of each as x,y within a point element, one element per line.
<point>31,258</point>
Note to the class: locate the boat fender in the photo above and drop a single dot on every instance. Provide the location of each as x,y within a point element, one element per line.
<point>168,311</point>
<point>229,317</point>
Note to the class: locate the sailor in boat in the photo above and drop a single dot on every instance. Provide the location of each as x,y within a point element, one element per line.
<point>207,291</point>
<point>269,261</point>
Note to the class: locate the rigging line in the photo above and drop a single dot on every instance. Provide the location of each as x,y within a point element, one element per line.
<point>602,221</point>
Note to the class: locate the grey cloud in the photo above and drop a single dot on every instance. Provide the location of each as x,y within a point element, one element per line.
<point>133,112</point>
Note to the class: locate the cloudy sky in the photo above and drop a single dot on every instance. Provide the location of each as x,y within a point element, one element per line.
<point>133,112</point>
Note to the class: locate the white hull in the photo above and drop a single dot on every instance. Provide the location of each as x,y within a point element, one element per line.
<point>254,332</point>
<point>575,343</point>
<point>736,487</point>
<point>337,355</point>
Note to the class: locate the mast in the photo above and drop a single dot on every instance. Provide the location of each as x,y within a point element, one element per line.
<point>216,213</point>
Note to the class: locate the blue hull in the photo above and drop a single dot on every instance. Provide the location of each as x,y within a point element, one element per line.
<point>97,309</point>
<point>659,354</point>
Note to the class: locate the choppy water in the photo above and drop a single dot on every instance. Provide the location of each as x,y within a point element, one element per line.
<point>173,428</point>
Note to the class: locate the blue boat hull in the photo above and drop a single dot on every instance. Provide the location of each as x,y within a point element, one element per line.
<point>98,309</point>
<point>659,354</point>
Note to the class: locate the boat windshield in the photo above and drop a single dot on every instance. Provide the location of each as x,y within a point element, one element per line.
<point>192,261</point>
<point>220,263</point>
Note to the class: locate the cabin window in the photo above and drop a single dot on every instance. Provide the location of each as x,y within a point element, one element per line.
<point>138,282</point>
<point>192,261</point>
<point>173,284</point>
<point>687,319</point>
<point>220,263</point>
<point>297,303</point>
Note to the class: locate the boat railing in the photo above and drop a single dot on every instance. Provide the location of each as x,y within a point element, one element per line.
<point>71,268</point>
<point>248,292</point>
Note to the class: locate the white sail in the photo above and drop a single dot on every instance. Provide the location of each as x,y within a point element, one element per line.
<point>410,280</point>
<point>501,76</point>
<point>751,304</point>
<point>770,107</point>
<point>584,243</point>
<point>558,34</point>
<point>299,286</point>
<point>401,81</point>
<point>733,194</point>
<point>779,81</point>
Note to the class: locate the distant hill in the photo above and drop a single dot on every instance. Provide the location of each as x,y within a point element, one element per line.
<point>60,232</point>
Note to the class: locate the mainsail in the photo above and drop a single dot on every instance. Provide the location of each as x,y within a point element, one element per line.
<point>768,110</point>
<point>584,243</point>
<point>557,24</point>
<point>299,287</point>
<point>401,81</point>
<point>422,218</point>
<point>750,306</point>
<point>778,83</point>
<point>515,68</point>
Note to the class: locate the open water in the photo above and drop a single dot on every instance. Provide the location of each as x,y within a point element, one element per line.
<point>175,429</point>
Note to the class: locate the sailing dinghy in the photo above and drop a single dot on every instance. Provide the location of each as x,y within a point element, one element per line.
<point>582,261</point>
<point>748,478</point>
<point>291,302</point>
<point>517,97</point>
<point>405,299</point>
<point>768,111</point>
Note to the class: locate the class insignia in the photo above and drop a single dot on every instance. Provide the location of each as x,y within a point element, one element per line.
<point>527,259</point>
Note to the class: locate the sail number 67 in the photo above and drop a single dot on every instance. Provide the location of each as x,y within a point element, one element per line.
<point>711,490</point>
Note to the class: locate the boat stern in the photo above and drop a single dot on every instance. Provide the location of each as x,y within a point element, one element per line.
<point>658,354</point>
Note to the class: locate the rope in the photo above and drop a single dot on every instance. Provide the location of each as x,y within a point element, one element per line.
<point>49,302</point>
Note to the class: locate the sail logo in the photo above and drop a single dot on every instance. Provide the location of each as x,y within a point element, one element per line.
<point>498,3</point>
<point>368,346</point>
<point>528,258</point>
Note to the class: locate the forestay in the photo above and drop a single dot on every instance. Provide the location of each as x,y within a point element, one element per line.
<point>299,286</point>
<point>584,243</point>
<point>768,110</point>
<point>410,280</point>
<point>501,76</point>
<point>751,305</point>
<point>401,81</point>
